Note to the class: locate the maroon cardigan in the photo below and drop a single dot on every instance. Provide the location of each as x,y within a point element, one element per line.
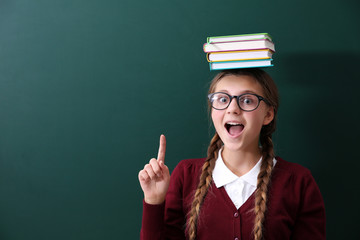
<point>295,208</point>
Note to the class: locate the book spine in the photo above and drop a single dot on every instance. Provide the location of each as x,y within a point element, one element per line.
<point>207,57</point>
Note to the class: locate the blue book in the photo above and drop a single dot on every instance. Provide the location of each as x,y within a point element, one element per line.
<point>241,64</point>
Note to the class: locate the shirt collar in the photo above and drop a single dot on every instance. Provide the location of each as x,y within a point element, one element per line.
<point>222,175</point>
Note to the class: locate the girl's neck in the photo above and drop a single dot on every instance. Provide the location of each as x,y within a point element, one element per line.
<point>239,161</point>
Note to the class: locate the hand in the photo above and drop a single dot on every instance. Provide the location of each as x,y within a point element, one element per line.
<point>155,177</point>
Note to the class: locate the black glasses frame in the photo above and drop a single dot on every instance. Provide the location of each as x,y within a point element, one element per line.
<point>237,100</point>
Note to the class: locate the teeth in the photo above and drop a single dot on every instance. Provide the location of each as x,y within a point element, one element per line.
<point>233,124</point>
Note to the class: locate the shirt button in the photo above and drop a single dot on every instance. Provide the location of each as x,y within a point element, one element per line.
<point>236,215</point>
<point>236,238</point>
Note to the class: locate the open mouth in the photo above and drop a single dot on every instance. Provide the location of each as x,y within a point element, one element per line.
<point>233,128</point>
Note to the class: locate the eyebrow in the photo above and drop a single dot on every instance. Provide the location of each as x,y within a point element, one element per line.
<point>244,92</point>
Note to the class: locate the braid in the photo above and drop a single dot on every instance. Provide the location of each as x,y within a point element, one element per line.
<point>203,186</point>
<point>263,183</point>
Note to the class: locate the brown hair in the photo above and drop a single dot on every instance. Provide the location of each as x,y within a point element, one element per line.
<point>263,182</point>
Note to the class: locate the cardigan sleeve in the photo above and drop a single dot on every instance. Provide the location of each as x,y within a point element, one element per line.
<point>152,222</point>
<point>175,219</point>
<point>310,222</point>
<point>167,220</point>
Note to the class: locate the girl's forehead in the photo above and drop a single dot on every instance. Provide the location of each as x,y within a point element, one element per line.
<point>238,84</point>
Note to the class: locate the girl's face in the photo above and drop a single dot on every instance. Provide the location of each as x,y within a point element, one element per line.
<point>240,130</point>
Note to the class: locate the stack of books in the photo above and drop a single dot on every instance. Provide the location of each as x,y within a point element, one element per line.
<point>239,51</point>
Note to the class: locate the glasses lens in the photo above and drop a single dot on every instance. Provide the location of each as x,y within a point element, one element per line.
<point>220,100</point>
<point>248,102</point>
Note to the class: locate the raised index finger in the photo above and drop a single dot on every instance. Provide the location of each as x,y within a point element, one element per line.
<point>162,149</point>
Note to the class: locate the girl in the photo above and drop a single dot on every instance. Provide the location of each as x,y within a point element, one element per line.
<point>240,191</point>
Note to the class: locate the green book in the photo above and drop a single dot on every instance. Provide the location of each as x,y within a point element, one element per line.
<point>242,37</point>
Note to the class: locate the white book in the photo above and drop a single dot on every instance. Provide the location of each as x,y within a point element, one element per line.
<point>238,46</point>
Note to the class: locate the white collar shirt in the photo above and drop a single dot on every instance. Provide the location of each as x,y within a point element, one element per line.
<point>239,189</point>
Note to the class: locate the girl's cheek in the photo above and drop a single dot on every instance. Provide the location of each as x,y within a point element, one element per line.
<point>216,116</point>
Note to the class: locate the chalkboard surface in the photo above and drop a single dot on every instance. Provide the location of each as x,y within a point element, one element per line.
<point>88,86</point>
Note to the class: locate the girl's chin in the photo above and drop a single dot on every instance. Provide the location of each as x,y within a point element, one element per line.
<point>233,146</point>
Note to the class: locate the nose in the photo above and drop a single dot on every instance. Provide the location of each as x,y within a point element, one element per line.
<point>233,107</point>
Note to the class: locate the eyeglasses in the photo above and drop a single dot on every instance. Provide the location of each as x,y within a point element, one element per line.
<point>247,102</point>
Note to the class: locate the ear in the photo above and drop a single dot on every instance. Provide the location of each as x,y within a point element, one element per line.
<point>269,116</point>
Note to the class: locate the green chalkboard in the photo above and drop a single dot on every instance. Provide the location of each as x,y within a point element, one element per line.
<point>87,87</point>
